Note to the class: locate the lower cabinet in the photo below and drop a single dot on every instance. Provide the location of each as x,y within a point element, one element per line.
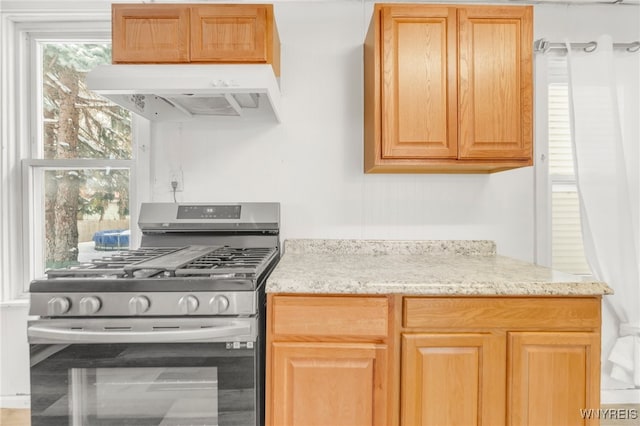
<point>432,361</point>
<point>452,379</point>
<point>553,377</point>
<point>329,384</point>
<point>492,361</point>
<point>328,360</point>
<point>519,379</point>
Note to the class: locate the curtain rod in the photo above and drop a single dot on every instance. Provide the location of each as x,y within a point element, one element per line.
<point>542,45</point>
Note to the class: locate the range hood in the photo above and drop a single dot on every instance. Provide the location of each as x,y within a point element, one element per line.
<point>182,92</point>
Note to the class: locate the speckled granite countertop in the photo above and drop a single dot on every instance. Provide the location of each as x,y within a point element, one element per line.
<point>416,267</point>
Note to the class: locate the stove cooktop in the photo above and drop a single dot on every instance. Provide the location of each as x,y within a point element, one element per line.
<point>195,259</point>
<point>220,262</point>
<point>165,281</point>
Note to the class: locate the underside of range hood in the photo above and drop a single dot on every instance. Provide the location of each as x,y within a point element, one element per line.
<point>183,92</point>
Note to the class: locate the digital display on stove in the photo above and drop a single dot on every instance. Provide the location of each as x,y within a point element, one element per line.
<point>208,212</point>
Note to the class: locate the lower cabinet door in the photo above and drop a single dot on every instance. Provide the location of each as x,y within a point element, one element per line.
<point>554,378</point>
<point>321,384</point>
<point>453,379</point>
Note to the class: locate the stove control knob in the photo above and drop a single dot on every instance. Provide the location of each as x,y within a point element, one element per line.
<point>219,304</point>
<point>89,305</point>
<point>58,305</point>
<point>139,305</point>
<point>188,304</point>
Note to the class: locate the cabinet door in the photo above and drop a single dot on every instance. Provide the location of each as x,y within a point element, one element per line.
<point>453,379</point>
<point>319,384</point>
<point>495,83</point>
<point>552,376</point>
<point>229,33</point>
<point>418,93</point>
<point>151,33</point>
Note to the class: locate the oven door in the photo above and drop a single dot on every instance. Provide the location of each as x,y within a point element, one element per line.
<point>145,371</point>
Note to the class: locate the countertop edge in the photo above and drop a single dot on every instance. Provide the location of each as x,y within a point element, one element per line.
<point>421,268</point>
<point>576,289</point>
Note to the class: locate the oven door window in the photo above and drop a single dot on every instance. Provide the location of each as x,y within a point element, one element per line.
<point>143,384</point>
<point>159,395</point>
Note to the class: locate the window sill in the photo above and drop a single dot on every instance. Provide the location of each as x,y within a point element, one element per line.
<point>15,303</point>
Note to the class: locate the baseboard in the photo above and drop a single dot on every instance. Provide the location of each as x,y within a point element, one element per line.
<point>15,401</point>
<point>620,396</point>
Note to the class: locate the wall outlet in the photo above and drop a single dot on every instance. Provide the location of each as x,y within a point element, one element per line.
<point>177,179</point>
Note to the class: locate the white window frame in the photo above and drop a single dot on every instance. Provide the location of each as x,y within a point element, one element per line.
<point>542,184</point>
<point>21,229</point>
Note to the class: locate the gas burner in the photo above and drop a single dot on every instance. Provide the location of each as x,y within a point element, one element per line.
<point>227,262</point>
<point>164,262</point>
<point>112,266</point>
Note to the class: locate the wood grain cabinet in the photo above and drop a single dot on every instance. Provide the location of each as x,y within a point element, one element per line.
<point>327,361</point>
<point>450,379</point>
<point>499,361</point>
<point>448,88</point>
<point>432,361</point>
<point>202,33</point>
<point>554,375</point>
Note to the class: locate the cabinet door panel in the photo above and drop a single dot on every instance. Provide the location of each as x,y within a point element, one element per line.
<point>150,33</point>
<point>552,377</point>
<point>495,81</point>
<point>319,384</point>
<point>453,379</point>
<point>418,82</point>
<point>229,33</point>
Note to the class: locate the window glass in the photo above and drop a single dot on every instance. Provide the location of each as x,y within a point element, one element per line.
<point>86,209</point>
<point>567,248</point>
<point>560,149</point>
<point>86,213</point>
<point>77,123</point>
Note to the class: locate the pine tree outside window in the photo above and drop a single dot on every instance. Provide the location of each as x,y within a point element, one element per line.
<point>81,161</point>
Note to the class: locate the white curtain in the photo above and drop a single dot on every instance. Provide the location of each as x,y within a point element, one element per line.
<point>604,92</point>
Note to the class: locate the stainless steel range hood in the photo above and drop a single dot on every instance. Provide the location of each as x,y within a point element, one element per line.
<point>186,91</point>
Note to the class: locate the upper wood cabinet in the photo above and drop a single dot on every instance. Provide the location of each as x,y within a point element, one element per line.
<point>448,88</point>
<point>150,33</point>
<point>179,33</point>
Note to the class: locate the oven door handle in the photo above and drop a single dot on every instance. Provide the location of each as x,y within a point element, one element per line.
<point>49,334</point>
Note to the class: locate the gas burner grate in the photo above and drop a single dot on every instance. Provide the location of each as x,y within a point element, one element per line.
<point>227,262</point>
<point>162,262</point>
<point>111,266</point>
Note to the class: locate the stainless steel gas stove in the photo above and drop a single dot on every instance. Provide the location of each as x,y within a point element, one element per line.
<point>170,333</point>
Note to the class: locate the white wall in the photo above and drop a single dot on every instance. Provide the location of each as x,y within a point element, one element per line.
<point>14,356</point>
<point>312,162</point>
